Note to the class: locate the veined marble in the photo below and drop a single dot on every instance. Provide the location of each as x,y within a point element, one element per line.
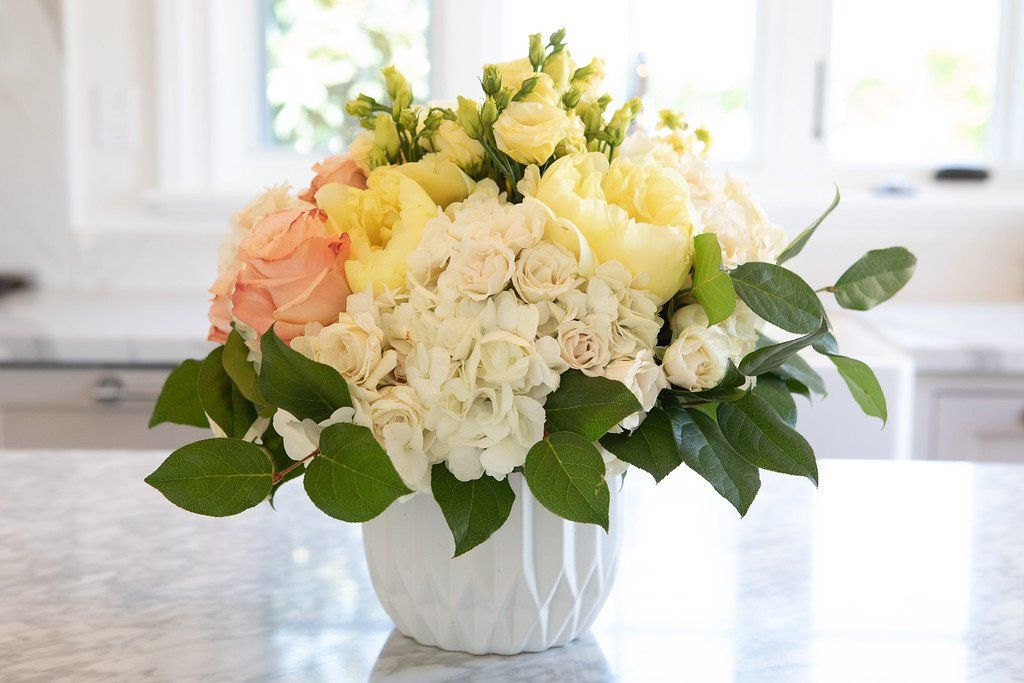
<point>892,571</point>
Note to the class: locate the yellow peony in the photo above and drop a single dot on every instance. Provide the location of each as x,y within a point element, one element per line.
<point>638,218</point>
<point>385,223</point>
<point>529,131</point>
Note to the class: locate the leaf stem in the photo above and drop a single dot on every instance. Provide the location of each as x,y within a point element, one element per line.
<point>279,476</point>
<point>829,288</point>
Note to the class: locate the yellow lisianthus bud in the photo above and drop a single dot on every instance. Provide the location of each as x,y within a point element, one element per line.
<point>469,118</point>
<point>573,96</point>
<point>560,67</point>
<point>526,88</point>
<point>536,50</point>
<point>491,80</point>
<point>397,87</point>
<point>361,106</point>
<point>488,113</point>
<point>451,142</point>
<point>385,136</point>
<point>589,77</point>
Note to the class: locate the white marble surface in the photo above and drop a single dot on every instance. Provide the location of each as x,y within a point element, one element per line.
<point>91,326</point>
<point>892,571</point>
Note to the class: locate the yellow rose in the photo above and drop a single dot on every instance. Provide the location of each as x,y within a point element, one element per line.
<point>573,189</point>
<point>440,178</point>
<point>453,144</point>
<point>529,131</point>
<point>515,72</point>
<point>385,223</point>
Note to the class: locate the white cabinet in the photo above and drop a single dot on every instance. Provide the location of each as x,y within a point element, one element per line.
<point>970,418</point>
<point>81,407</point>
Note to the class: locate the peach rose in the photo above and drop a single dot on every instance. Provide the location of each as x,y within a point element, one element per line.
<point>220,307</point>
<point>292,273</point>
<point>337,169</point>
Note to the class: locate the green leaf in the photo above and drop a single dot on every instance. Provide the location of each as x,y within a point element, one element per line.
<point>565,472</point>
<point>796,369</point>
<point>775,392</point>
<point>796,387</point>
<point>216,477</point>
<point>761,438</point>
<point>863,386</point>
<point>779,296</point>
<point>712,287</point>
<point>243,373</point>
<point>875,277</point>
<point>588,406</point>
<point>179,399</point>
<point>221,399</point>
<point>352,479</point>
<point>801,240</point>
<point>826,344</point>
<point>303,387</point>
<point>473,509</point>
<point>705,450</point>
<point>651,446</point>
<point>767,358</point>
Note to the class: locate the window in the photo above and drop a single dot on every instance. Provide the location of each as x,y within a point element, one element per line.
<point>690,55</point>
<point>913,87</point>
<point>321,53</point>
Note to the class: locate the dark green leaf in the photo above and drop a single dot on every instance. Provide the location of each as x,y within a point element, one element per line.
<point>796,369</point>
<point>801,240</point>
<point>243,373</point>
<point>761,438</point>
<point>776,393</point>
<point>651,446</point>
<point>473,509</point>
<point>303,387</point>
<point>179,399</point>
<point>767,358</point>
<point>565,472</point>
<point>221,399</point>
<point>863,385</point>
<point>875,277</point>
<point>216,477</point>
<point>352,479</point>
<point>712,287</point>
<point>588,406</point>
<point>705,450</point>
<point>779,296</point>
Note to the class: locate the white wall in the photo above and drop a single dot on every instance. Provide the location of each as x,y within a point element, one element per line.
<point>73,209</point>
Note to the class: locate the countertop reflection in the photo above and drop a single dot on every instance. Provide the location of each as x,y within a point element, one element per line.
<point>901,571</point>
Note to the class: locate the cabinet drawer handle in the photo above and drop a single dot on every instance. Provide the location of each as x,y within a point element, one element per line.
<point>112,390</point>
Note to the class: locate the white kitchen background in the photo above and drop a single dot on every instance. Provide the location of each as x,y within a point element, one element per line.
<point>130,129</point>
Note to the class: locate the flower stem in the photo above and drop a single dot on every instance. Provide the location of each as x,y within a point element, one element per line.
<point>279,476</point>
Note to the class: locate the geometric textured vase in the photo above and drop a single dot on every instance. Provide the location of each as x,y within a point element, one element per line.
<point>537,583</point>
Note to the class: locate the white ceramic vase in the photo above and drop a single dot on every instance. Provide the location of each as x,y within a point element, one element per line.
<point>537,583</point>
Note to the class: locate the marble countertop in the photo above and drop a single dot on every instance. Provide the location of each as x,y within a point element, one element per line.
<point>892,571</point>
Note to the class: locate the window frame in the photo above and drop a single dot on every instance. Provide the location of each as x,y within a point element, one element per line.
<point>211,111</point>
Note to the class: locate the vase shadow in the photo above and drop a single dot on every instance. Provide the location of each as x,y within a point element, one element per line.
<point>402,659</point>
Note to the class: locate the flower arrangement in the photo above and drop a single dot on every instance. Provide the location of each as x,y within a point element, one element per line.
<point>517,284</point>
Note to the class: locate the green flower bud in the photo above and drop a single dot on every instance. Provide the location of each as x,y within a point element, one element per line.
<point>557,38</point>
<point>488,113</point>
<point>360,106</point>
<point>502,98</point>
<point>431,123</point>
<point>526,88</point>
<point>469,118</point>
<point>536,51</point>
<point>591,115</point>
<point>573,96</point>
<point>397,87</point>
<point>386,136</point>
<point>491,81</point>
<point>378,157</point>
<point>704,135</point>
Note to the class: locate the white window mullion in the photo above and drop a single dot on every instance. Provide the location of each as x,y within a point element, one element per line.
<point>1008,124</point>
<point>795,53</point>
